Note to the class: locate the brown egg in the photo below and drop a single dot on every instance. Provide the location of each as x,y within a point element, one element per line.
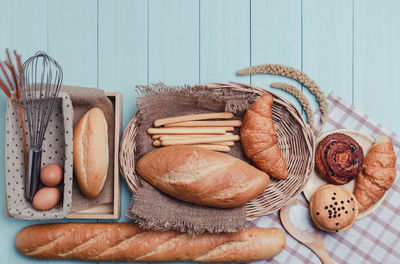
<point>46,198</point>
<point>51,175</point>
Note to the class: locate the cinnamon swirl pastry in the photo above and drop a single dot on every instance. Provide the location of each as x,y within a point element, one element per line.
<point>339,158</point>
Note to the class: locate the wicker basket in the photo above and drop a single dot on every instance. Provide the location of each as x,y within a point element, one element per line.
<point>296,142</point>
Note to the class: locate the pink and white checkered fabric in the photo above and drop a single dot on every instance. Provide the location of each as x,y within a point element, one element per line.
<point>372,239</point>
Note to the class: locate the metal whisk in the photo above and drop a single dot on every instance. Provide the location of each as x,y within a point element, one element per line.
<point>42,81</point>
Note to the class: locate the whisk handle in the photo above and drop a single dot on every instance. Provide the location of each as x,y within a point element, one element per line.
<point>33,173</point>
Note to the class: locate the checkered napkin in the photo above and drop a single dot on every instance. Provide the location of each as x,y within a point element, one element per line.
<point>372,239</point>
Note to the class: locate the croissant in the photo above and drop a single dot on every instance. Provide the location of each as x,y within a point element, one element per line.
<point>259,140</point>
<point>377,175</point>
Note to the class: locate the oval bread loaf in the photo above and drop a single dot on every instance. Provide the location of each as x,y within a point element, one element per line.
<point>202,176</point>
<point>117,242</point>
<point>91,152</point>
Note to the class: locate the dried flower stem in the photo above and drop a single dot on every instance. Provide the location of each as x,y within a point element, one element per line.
<point>5,88</point>
<point>296,75</point>
<point>13,89</point>
<point>300,97</point>
<point>8,80</point>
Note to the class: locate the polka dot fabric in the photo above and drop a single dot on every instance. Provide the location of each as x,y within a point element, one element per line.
<point>57,148</point>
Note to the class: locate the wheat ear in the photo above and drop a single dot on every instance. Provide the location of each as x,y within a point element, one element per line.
<point>300,97</point>
<point>297,75</point>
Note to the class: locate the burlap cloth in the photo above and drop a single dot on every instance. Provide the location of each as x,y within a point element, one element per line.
<point>154,210</point>
<point>83,99</point>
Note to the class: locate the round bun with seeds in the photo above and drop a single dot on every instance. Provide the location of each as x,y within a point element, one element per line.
<point>333,208</point>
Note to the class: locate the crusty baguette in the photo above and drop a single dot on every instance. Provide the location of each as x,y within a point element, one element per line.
<point>259,141</point>
<point>91,152</point>
<point>202,176</point>
<point>378,173</point>
<point>118,242</point>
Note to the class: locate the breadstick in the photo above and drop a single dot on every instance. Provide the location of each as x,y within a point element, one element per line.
<point>156,143</point>
<point>225,143</point>
<point>191,141</point>
<point>224,123</point>
<point>155,136</point>
<point>167,137</point>
<point>214,147</point>
<point>185,131</point>
<point>225,128</point>
<point>169,120</point>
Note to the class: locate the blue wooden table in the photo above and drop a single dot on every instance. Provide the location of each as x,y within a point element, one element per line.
<point>351,47</point>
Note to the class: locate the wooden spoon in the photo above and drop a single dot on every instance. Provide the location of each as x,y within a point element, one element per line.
<point>297,221</point>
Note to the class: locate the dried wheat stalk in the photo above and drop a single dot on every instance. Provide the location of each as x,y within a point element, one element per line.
<point>300,97</point>
<point>296,75</point>
<point>11,79</point>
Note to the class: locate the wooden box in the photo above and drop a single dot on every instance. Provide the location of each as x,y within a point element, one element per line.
<point>112,210</point>
<point>108,211</point>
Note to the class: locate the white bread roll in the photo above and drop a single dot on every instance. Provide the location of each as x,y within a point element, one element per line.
<point>91,152</point>
<point>118,242</point>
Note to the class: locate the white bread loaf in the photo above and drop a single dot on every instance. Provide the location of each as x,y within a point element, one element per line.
<point>117,242</point>
<point>91,152</point>
<point>202,176</point>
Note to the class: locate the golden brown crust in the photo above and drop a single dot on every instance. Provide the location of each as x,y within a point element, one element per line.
<point>202,176</point>
<point>127,242</point>
<point>333,208</point>
<point>91,152</point>
<point>378,173</point>
<point>259,141</point>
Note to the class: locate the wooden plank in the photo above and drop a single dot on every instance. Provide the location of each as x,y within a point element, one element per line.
<point>72,42</point>
<point>328,46</point>
<point>123,50</point>
<point>30,34</point>
<point>72,39</point>
<point>377,60</point>
<point>23,28</point>
<point>224,40</point>
<point>276,39</point>
<point>174,41</point>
